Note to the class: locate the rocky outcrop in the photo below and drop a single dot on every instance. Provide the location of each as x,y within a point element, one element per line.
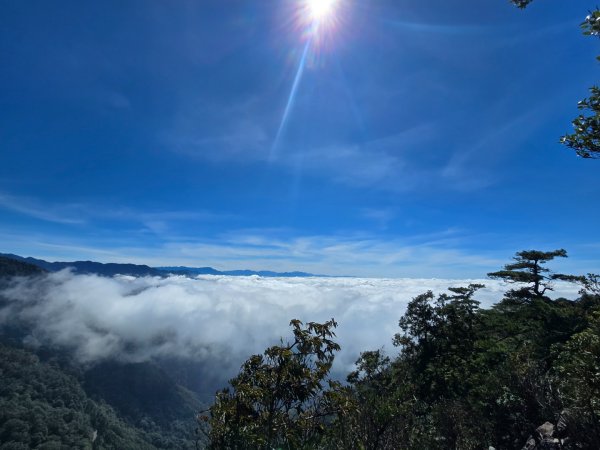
<point>545,437</point>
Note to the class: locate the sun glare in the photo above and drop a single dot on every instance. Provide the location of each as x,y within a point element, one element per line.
<point>319,17</point>
<point>321,9</point>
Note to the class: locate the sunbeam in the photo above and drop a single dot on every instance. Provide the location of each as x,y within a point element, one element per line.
<point>291,98</point>
<point>317,19</point>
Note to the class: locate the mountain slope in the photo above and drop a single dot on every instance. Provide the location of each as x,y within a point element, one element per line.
<point>43,407</point>
<point>90,267</point>
<point>12,267</point>
<point>138,270</point>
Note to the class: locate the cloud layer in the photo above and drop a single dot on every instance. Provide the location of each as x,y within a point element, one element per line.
<point>217,319</point>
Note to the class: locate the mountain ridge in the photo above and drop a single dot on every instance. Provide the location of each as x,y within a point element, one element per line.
<point>140,270</point>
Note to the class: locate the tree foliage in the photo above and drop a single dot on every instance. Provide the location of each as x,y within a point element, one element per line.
<point>591,284</point>
<point>529,270</point>
<point>48,401</point>
<point>437,339</point>
<point>577,376</point>
<point>280,398</point>
<point>12,268</point>
<point>521,3</point>
<point>586,138</point>
<point>42,407</point>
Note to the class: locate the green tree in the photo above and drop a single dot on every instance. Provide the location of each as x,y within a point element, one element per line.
<point>381,412</point>
<point>418,400</point>
<point>521,3</point>
<point>437,339</point>
<point>45,407</point>
<point>577,375</point>
<point>578,369</point>
<point>438,365</point>
<point>280,398</point>
<point>529,269</point>
<point>586,138</point>
<point>591,284</point>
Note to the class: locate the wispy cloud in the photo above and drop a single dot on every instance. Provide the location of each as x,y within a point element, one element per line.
<point>358,254</point>
<point>503,135</point>
<point>246,142</point>
<point>237,132</point>
<point>64,214</point>
<point>380,216</point>
<point>353,165</point>
<point>156,221</point>
<point>385,163</point>
<point>366,255</point>
<point>447,253</point>
<point>164,223</point>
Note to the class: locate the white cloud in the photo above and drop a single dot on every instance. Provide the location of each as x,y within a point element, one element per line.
<point>247,141</point>
<point>158,222</point>
<point>380,216</point>
<point>65,214</point>
<point>356,165</point>
<point>442,253</point>
<point>218,320</point>
<point>359,254</point>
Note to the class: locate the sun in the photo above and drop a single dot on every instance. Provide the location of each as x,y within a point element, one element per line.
<point>319,21</point>
<point>321,10</point>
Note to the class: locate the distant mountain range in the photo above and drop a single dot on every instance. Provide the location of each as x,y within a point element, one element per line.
<point>138,270</point>
<point>182,270</point>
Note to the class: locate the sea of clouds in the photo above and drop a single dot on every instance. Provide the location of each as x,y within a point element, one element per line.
<point>218,319</point>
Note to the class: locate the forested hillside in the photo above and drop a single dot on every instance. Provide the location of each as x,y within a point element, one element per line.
<point>43,407</point>
<point>10,267</point>
<point>49,401</point>
<point>53,405</point>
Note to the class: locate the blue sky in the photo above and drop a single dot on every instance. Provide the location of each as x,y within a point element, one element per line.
<point>421,139</point>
